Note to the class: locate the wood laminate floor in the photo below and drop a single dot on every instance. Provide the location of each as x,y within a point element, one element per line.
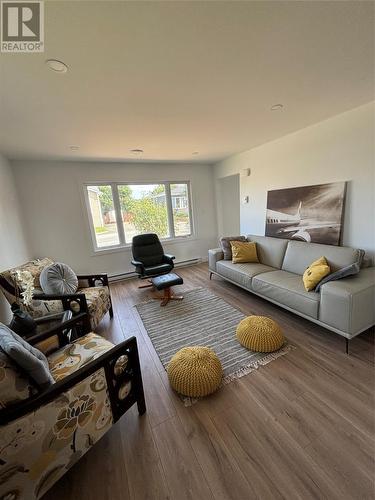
<point>301,427</point>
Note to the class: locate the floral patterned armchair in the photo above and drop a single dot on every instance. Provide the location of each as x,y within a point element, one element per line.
<point>43,433</point>
<point>93,295</point>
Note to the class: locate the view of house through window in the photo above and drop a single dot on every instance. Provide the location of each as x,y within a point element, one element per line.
<point>103,215</point>
<point>180,207</point>
<point>121,211</point>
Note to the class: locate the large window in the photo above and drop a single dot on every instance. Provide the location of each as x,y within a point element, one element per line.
<point>120,211</point>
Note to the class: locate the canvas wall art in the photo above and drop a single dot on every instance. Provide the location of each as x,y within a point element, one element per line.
<point>307,213</point>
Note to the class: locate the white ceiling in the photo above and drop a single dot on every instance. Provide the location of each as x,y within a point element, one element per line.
<point>177,77</point>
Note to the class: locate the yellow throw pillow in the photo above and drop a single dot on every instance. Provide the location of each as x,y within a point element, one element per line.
<point>315,272</point>
<point>244,251</point>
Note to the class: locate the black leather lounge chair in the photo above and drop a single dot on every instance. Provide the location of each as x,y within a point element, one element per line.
<point>149,258</point>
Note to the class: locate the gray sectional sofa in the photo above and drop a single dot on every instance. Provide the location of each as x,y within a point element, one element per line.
<point>346,306</point>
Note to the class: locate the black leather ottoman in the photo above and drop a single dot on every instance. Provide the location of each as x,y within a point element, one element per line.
<point>165,282</point>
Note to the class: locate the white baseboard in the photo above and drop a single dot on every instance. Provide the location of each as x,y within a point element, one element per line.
<point>113,278</point>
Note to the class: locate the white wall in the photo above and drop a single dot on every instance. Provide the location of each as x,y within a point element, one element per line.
<point>228,200</point>
<point>56,216</point>
<point>13,247</point>
<point>338,149</point>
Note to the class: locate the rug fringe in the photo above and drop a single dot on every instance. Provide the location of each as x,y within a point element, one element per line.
<point>245,370</point>
<point>254,365</point>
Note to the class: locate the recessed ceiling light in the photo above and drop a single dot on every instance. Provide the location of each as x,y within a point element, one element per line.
<point>277,107</point>
<point>136,151</point>
<point>74,148</point>
<point>195,153</point>
<point>57,66</point>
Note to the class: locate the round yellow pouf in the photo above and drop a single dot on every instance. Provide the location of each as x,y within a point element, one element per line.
<point>195,371</point>
<point>259,333</point>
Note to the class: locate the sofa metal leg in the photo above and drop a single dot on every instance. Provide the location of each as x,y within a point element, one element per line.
<point>211,274</point>
<point>111,312</point>
<point>347,346</point>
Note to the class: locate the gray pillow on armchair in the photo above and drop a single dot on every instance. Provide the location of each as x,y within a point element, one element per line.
<point>58,279</point>
<point>31,360</point>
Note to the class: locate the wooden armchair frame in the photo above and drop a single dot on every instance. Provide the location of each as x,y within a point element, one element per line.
<point>107,361</point>
<point>66,300</point>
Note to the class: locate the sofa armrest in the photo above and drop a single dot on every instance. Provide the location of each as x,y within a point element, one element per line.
<point>349,304</point>
<point>214,255</point>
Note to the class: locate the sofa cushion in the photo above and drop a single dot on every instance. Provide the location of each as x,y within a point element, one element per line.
<point>287,289</point>
<point>299,255</point>
<point>241,273</point>
<point>226,246</point>
<point>340,274</point>
<point>316,271</point>
<point>270,250</point>
<point>73,356</point>
<point>244,251</point>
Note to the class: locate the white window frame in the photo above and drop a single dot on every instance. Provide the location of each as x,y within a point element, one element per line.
<point>117,208</point>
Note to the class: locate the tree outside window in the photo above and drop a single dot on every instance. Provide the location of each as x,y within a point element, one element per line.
<point>158,208</point>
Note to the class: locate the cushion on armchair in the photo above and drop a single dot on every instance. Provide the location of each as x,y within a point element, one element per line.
<point>77,354</point>
<point>98,302</point>
<point>35,267</point>
<point>58,278</point>
<point>38,448</point>
<point>29,359</point>
<point>14,385</point>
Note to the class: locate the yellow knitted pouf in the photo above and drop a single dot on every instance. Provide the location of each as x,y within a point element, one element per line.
<point>259,333</point>
<point>195,371</point>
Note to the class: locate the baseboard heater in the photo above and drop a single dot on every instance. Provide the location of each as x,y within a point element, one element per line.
<point>113,278</point>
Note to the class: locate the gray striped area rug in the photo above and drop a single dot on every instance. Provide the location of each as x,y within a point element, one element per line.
<point>202,319</point>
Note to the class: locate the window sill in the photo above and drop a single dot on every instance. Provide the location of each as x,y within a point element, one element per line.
<point>128,246</point>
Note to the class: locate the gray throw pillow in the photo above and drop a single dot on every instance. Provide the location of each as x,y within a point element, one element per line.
<point>341,273</point>
<point>225,245</point>
<point>58,279</point>
<point>31,360</point>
